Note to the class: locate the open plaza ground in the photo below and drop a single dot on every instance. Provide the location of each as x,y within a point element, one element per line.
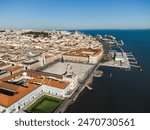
<point>78,68</point>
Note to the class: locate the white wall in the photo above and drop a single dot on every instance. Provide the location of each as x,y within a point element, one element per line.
<point>56,91</point>
<point>25,100</point>
<point>1,109</point>
<point>76,58</point>
<point>34,94</point>
<point>73,81</point>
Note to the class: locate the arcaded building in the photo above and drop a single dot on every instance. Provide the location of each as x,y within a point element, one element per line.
<point>91,56</point>
<point>20,89</point>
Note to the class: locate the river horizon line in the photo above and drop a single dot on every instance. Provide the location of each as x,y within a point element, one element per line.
<point>66,29</point>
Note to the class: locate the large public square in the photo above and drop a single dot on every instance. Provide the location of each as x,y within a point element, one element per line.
<point>77,68</point>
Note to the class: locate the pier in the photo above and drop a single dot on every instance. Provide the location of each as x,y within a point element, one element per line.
<point>119,43</point>
<point>136,66</point>
<point>133,62</point>
<point>122,62</point>
<point>125,64</point>
<point>129,59</point>
<point>97,73</point>
<point>130,53</point>
<point>90,88</point>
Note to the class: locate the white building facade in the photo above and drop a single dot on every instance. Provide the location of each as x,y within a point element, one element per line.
<point>58,92</point>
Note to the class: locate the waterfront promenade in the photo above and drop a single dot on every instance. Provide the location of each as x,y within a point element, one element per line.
<point>82,85</point>
<point>118,64</point>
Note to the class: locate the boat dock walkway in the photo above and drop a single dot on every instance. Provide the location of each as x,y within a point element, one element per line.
<point>130,62</point>
<point>116,64</point>
<point>97,73</point>
<point>90,88</point>
<point>133,62</point>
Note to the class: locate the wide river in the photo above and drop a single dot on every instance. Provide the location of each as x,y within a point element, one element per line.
<point>124,91</point>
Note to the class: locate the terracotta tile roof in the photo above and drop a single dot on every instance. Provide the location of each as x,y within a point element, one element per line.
<point>11,76</point>
<point>7,86</point>
<point>14,68</point>
<point>4,64</point>
<point>50,82</point>
<point>6,101</point>
<point>83,52</point>
<point>35,74</point>
<point>59,84</point>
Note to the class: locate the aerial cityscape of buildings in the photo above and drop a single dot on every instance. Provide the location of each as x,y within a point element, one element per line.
<point>35,63</point>
<point>59,64</point>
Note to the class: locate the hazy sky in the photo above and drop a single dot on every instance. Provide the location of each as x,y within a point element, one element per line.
<point>75,14</point>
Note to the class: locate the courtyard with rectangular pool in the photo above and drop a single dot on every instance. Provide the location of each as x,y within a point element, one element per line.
<point>45,104</point>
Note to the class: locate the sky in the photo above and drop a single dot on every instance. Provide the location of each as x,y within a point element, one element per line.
<point>75,14</point>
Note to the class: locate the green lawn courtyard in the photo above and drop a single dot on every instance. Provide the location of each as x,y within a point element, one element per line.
<point>45,104</point>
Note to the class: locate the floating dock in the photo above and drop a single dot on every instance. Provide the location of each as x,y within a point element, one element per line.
<point>133,61</point>
<point>90,88</point>
<point>98,73</point>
